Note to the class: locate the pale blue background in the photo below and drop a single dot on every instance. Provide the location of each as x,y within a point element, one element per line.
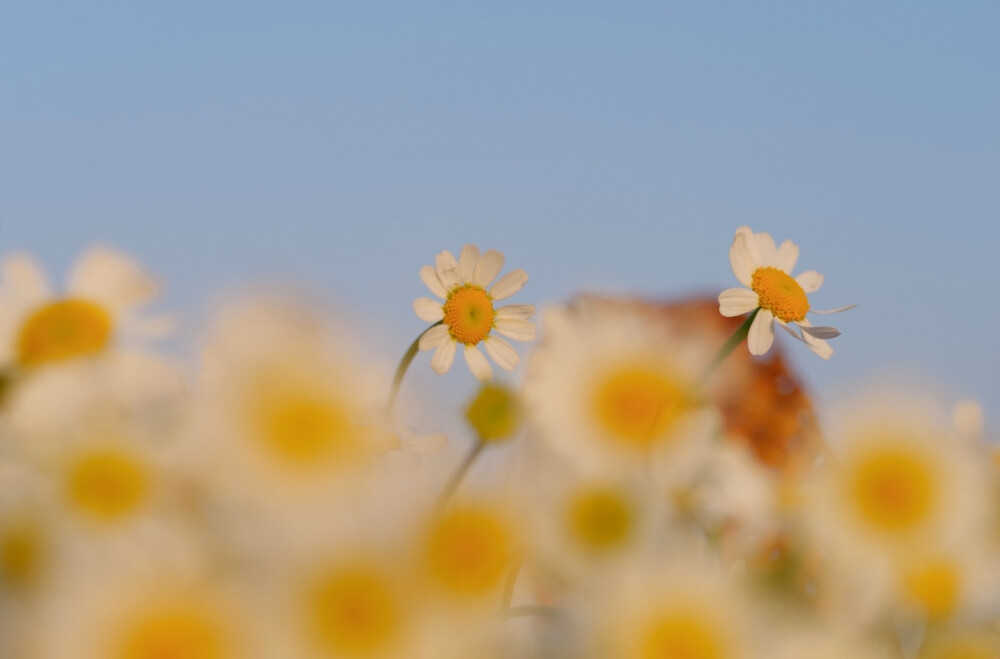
<point>611,147</point>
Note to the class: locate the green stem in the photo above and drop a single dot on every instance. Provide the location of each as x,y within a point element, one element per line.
<point>456,478</point>
<point>404,365</point>
<point>727,348</point>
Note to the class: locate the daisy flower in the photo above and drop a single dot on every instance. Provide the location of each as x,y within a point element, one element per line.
<point>39,327</point>
<point>467,315</point>
<point>765,270</point>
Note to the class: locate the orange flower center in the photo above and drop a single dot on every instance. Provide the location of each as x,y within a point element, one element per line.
<point>468,313</point>
<point>780,294</point>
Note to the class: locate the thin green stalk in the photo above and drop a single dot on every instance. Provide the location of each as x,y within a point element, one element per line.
<point>456,478</point>
<point>404,365</point>
<point>727,348</point>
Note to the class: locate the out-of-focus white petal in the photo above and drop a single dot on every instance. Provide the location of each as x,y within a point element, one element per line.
<point>787,255</point>
<point>429,276</point>
<point>810,280</point>
<point>829,311</point>
<point>501,352</point>
<point>156,327</point>
<point>428,309</point>
<point>761,333</point>
<point>741,260</point>
<point>515,328</point>
<point>509,284</point>
<point>27,279</point>
<point>488,268</point>
<point>434,337</point>
<point>477,363</point>
<point>967,419</point>
<point>447,269</point>
<point>425,444</point>
<point>443,356</point>
<point>116,280</point>
<point>522,311</point>
<point>467,260</point>
<point>737,301</point>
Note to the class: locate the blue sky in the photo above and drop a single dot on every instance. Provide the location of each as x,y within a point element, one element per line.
<point>610,147</point>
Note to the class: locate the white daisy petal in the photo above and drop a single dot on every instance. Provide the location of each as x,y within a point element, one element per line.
<point>501,352</point>
<point>737,301</point>
<point>156,327</point>
<point>434,337</point>
<point>767,248</point>
<point>444,356</point>
<point>488,268</point>
<point>429,276</point>
<point>447,269</point>
<point>787,255</point>
<point>428,309</point>
<point>790,331</point>
<point>467,260</point>
<point>810,280</point>
<point>27,279</point>
<point>477,363</point>
<point>829,311</point>
<point>113,278</point>
<point>820,332</point>
<point>515,328</point>
<point>818,346</point>
<point>761,333</point>
<point>741,260</point>
<point>509,284</point>
<point>522,311</point>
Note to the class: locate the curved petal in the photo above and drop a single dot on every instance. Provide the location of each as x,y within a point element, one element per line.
<point>737,301</point>
<point>810,280</point>
<point>818,346</point>
<point>515,328</point>
<point>741,260</point>
<point>430,278</point>
<point>837,310</point>
<point>787,256</point>
<point>761,333</point>
<point>522,311</point>
<point>467,260</point>
<point>509,284</point>
<point>789,330</point>
<point>27,279</point>
<point>501,352</point>
<point>819,332</point>
<point>428,309</point>
<point>447,269</point>
<point>117,280</point>
<point>488,268</point>
<point>444,356</point>
<point>434,337</point>
<point>477,363</point>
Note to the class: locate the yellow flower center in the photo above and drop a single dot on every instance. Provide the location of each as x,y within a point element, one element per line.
<point>780,294</point>
<point>601,519</point>
<point>468,550</point>
<point>64,329</point>
<point>894,489</point>
<point>494,413</point>
<point>683,635</point>
<point>353,611</point>
<point>21,554</point>
<point>933,586</point>
<point>468,313</point>
<point>107,484</point>
<point>639,405</point>
<point>174,631</point>
<point>306,428</point>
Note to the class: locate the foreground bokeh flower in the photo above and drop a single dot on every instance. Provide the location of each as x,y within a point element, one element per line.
<point>467,314</point>
<point>765,270</point>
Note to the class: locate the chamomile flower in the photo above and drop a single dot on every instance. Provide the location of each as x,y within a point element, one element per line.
<point>467,315</point>
<point>765,269</point>
<point>104,293</point>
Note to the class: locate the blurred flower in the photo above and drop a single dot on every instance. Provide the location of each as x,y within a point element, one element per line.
<point>608,387</point>
<point>106,289</point>
<point>495,413</point>
<point>766,271</point>
<point>467,315</point>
